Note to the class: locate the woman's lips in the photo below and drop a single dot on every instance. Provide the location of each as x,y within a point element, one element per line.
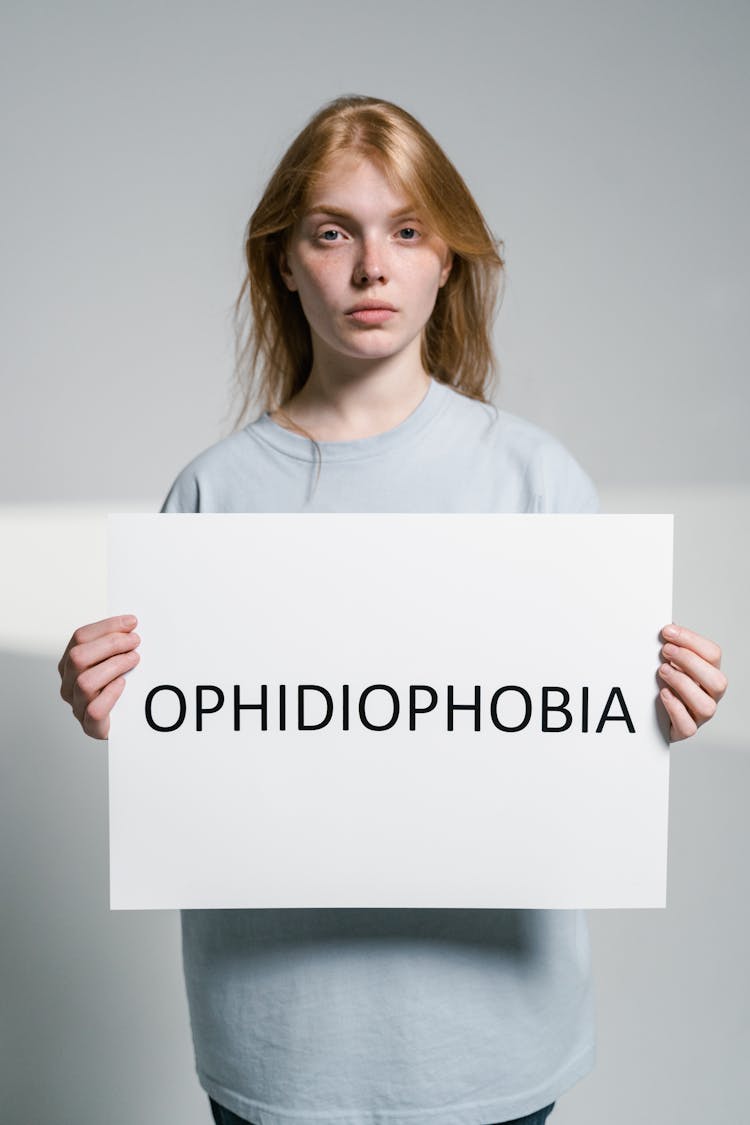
<point>372,316</point>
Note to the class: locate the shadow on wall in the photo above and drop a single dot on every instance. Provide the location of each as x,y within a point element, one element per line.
<point>95,1024</point>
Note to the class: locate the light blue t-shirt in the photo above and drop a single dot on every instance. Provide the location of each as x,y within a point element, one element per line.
<point>389,1016</point>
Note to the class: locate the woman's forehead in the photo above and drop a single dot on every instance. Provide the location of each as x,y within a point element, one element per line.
<point>348,184</point>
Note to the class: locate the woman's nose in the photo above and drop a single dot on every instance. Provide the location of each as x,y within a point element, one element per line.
<point>369,266</point>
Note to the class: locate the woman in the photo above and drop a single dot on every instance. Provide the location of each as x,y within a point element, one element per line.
<point>372,279</point>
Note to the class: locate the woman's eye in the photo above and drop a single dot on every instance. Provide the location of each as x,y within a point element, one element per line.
<point>333,233</point>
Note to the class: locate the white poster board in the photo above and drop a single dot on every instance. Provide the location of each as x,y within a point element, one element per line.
<point>371,638</point>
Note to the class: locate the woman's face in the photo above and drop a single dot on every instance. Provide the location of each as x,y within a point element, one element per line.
<point>375,248</point>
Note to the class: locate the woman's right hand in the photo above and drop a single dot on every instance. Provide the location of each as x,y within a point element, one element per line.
<point>92,670</point>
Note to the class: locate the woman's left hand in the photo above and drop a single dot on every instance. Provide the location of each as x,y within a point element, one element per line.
<point>693,679</point>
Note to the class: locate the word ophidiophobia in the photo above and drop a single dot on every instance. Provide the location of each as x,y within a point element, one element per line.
<point>510,708</point>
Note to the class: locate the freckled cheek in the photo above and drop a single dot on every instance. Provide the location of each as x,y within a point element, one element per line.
<point>317,290</point>
<point>424,277</point>
<point>322,283</point>
<point>427,290</point>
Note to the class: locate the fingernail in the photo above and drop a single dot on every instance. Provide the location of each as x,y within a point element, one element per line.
<point>671,631</point>
<point>127,620</point>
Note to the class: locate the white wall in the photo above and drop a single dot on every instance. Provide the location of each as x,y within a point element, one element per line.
<point>606,143</point>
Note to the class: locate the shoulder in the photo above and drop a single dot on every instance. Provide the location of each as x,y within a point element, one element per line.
<point>196,485</point>
<point>553,478</point>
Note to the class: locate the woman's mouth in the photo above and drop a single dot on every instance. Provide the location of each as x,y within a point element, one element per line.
<point>371,316</point>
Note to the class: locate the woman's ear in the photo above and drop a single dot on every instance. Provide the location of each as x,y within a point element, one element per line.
<point>284,270</point>
<point>445,272</point>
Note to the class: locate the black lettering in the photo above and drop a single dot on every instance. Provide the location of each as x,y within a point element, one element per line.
<point>200,710</point>
<point>262,706</point>
<point>464,706</point>
<point>527,703</point>
<point>396,707</point>
<point>547,707</point>
<point>149,702</point>
<point>345,716</point>
<point>623,718</point>
<point>301,724</point>
<point>413,709</point>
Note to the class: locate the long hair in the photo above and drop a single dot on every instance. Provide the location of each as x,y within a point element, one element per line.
<point>273,346</point>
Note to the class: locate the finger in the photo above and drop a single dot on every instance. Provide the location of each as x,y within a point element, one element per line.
<point>88,654</point>
<point>685,638</point>
<point>93,681</point>
<point>84,657</point>
<point>710,678</point>
<point>700,705</point>
<point>85,633</point>
<point>682,724</point>
<point>95,721</point>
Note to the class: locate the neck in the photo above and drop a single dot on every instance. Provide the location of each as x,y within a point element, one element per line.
<point>345,409</point>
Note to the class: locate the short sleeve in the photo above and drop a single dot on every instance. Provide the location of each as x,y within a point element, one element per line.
<point>184,495</point>
<point>559,482</point>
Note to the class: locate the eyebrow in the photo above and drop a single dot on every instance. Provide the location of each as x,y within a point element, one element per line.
<point>325,209</point>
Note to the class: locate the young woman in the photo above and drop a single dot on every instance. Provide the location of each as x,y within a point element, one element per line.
<point>371,285</point>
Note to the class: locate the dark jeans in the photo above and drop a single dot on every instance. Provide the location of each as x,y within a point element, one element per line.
<point>226,1117</point>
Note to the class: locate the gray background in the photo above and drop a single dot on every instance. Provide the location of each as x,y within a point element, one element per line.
<point>607,145</point>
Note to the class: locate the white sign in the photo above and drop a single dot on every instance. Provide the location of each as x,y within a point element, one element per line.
<point>390,710</point>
